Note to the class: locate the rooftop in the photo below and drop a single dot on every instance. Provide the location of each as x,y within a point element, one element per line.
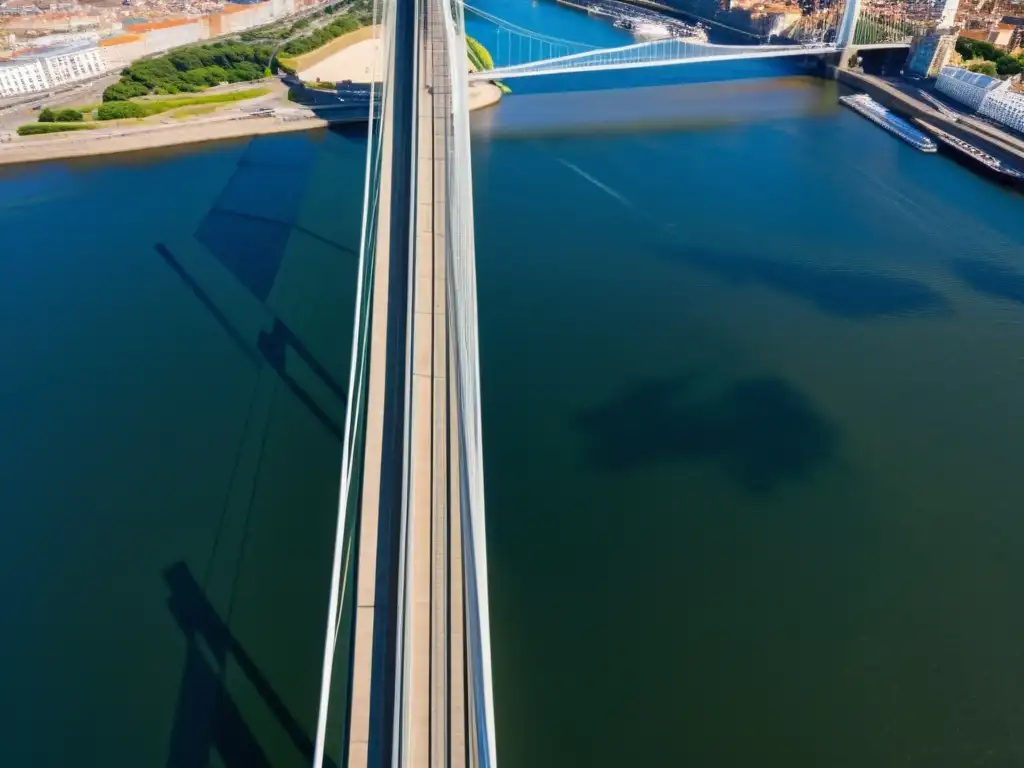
<point>972,78</point>
<point>106,42</point>
<point>29,55</point>
<point>161,24</point>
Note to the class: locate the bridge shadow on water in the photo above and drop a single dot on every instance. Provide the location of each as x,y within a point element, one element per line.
<point>268,347</point>
<point>252,220</point>
<point>207,719</point>
<point>847,293</point>
<point>991,278</point>
<point>762,430</point>
<point>247,230</point>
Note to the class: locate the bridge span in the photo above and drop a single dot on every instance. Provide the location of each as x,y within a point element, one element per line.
<point>411,514</point>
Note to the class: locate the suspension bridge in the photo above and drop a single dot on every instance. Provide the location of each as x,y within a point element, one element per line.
<point>520,52</point>
<point>410,529</point>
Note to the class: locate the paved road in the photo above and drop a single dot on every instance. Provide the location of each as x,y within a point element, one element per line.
<point>926,89</point>
<point>80,94</point>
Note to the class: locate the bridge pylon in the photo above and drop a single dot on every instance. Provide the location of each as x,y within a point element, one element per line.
<point>848,24</point>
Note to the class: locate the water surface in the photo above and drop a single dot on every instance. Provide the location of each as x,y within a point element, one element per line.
<point>174,330</point>
<point>751,375</point>
<point>752,439</point>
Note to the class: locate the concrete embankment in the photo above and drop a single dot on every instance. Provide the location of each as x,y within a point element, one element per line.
<point>103,142</point>
<point>63,147</point>
<point>1003,146</point>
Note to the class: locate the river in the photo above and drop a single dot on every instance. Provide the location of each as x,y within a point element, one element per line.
<point>751,380</point>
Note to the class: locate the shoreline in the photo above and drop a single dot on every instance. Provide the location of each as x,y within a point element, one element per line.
<point>76,145</point>
<point>1003,146</point>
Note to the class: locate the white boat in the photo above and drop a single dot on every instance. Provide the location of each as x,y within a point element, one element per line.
<point>894,124</point>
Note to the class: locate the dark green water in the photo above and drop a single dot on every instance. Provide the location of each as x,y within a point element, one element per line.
<point>175,347</point>
<point>752,379</point>
<point>753,429</point>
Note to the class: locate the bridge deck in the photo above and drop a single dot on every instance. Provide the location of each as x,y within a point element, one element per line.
<point>430,683</point>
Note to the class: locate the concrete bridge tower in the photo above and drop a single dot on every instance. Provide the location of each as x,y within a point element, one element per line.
<point>848,24</point>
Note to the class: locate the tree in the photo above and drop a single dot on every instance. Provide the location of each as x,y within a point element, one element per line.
<point>47,116</point>
<point>479,56</point>
<point>977,49</point>
<point>1007,65</point>
<point>982,67</point>
<point>195,68</point>
<point>124,89</point>
<point>117,110</point>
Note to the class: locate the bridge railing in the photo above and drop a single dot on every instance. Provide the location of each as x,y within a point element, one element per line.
<point>461,302</point>
<point>332,710</point>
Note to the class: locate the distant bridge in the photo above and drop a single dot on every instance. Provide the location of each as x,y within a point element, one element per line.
<point>661,53</point>
<point>520,52</point>
<point>649,54</point>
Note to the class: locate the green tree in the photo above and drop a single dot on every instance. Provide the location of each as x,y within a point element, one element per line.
<point>68,116</point>
<point>478,55</point>
<point>36,128</point>
<point>118,110</point>
<point>977,49</point>
<point>1007,65</point>
<point>124,89</point>
<point>47,116</point>
<point>983,67</point>
<point>194,68</point>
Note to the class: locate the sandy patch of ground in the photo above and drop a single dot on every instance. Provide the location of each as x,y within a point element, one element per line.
<point>356,63</point>
<point>483,95</point>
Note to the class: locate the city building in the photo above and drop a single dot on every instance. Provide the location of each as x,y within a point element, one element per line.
<point>121,50</point>
<point>72,63</point>
<point>162,35</point>
<point>999,34</point>
<point>39,69</point>
<point>1004,106</point>
<point>1002,35</point>
<point>1017,38</point>
<point>21,76</point>
<point>968,88</point>
<point>59,38</point>
<point>989,96</point>
<point>930,53</point>
<point>31,25</point>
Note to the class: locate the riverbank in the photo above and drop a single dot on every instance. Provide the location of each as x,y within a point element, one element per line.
<point>119,140</point>
<point>1002,145</point>
<point>67,146</point>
